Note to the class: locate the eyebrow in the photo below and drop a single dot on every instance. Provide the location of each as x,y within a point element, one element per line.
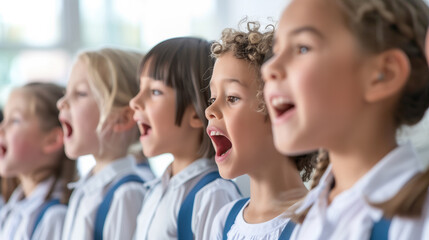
<point>232,80</point>
<point>307,29</point>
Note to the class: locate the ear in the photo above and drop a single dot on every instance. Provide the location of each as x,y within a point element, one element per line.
<point>389,76</point>
<point>53,140</point>
<point>124,120</point>
<point>194,120</point>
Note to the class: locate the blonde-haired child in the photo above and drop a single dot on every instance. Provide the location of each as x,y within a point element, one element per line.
<point>97,120</point>
<point>344,76</point>
<point>32,155</point>
<point>169,110</point>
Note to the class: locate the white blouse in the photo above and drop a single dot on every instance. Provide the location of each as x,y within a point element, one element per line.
<point>89,193</point>
<point>350,216</point>
<point>18,215</point>
<point>158,217</point>
<point>241,230</point>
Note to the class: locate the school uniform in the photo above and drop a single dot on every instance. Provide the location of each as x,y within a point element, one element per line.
<point>158,217</point>
<point>350,216</point>
<point>18,215</point>
<point>88,194</point>
<point>144,170</point>
<point>241,230</point>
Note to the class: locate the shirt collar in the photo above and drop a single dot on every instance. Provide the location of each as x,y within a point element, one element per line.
<point>380,183</point>
<point>190,172</point>
<point>90,183</point>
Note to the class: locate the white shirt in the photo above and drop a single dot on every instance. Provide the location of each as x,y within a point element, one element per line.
<point>88,195</point>
<point>158,217</point>
<point>144,170</point>
<point>18,216</point>
<point>349,216</point>
<point>241,230</point>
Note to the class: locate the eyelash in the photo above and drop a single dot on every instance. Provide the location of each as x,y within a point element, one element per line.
<point>156,92</point>
<point>300,50</point>
<point>231,99</point>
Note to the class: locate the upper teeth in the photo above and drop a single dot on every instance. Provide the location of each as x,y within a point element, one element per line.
<point>215,133</point>
<point>278,101</point>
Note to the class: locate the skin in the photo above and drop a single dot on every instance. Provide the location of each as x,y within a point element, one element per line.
<point>340,105</point>
<point>274,179</point>
<point>155,106</point>
<point>31,153</point>
<point>80,111</point>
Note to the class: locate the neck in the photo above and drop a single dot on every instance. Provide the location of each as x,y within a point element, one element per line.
<point>353,158</point>
<point>181,162</point>
<point>273,189</point>
<point>102,161</point>
<point>29,182</point>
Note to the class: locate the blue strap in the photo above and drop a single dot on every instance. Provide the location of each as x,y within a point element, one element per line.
<point>287,231</point>
<point>184,219</point>
<point>232,216</point>
<point>143,164</point>
<point>42,212</point>
<point>104,207</point>
<point>380,230</point>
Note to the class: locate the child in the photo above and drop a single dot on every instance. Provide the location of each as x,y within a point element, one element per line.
<point>32,151</point>
<point>344,76</point>
<point>241,133</point>
<point>169,110</point>
<point>96,120</point>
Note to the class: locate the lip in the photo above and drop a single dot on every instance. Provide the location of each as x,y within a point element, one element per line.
<point>224,156</point>
<point>67,128</point>
<point>276,117</point>
<point>144,128</point>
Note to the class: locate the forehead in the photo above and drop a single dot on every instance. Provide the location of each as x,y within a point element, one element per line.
<point>79,73</point>
<point>20,101</point>
<point>324,15</point>
<point>227,66</point>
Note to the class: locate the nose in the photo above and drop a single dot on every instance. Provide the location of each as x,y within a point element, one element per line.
<point>136,102</point>
<point>212,111</point>
<point>273,69</point>
<point>61,103</point>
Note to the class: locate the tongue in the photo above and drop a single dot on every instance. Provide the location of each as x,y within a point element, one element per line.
<point>284,108</point>
<point>146,129</point>
<point>222,144</point>
<point>69,129</point>
<point>2,150</point>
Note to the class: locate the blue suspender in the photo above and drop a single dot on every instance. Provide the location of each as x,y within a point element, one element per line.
<point>232,215</point>
<point>104,207</point>
<point>287,231</point>
<point>45,207</point>
<point>380,230</point>
<point>184,219</point>
<point>285,235</point>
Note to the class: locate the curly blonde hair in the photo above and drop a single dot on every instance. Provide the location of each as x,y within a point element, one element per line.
<point>253,46</point>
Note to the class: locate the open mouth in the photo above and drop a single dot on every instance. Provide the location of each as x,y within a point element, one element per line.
<point>282,105</point>
<point>68,130</point>
<point>221,142</point>
<point>3,150</point>
<point>144,128</point>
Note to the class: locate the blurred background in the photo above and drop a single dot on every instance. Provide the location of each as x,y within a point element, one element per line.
<point>38,39</point>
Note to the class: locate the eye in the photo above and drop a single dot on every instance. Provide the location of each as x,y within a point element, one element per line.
<point>302,49</point>
<point>232,99</point>
<point>156,92</point>
<point>211,101</point>
<point>81,94</point>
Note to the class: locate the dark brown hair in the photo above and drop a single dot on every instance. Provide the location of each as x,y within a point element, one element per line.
<point>185,65</point>
<point>255,47</point>
<point>380,26</point>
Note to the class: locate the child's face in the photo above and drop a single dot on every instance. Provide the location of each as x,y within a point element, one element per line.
<point>79,114</point>
<point>155,113</point>
<point>239,133</point>
<point>21,149</point>
<point>314,87</point>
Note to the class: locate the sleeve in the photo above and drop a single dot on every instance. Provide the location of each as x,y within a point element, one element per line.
<point>207,204</point>
<point>122,216</point>
<point>51,226</point>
